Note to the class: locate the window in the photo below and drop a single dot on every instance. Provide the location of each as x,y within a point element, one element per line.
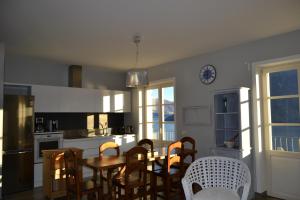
<point>106,103</point>
<point>140,108</point>
<point>119,102</point>
<point>90,122</point>
<point>157,112</point>
<point>281,105</point>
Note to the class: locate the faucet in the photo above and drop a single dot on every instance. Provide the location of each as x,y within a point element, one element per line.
<point>103,128</point>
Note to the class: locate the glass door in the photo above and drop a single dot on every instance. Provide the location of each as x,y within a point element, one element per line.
<point>160,112</point>
<point>282,103</point>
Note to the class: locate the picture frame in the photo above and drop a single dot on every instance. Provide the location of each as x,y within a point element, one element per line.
<point>197,115</point>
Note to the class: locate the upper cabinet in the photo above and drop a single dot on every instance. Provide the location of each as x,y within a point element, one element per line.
<point>47,98</point>
<point>80,100</point>
<point>67,99</point>
<point>116,101</point>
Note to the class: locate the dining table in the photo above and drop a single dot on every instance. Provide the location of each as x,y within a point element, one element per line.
<point>160,152</point>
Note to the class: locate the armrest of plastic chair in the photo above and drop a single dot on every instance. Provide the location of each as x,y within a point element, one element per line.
<point>187,191</point>
<point>246,190</point>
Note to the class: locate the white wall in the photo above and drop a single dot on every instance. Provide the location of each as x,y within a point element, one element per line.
<point>24,69</point>
<point>1,103</point>
<point>233,67</point>
<point>95,77</point>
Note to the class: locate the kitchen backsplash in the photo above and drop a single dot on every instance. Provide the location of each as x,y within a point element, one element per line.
<point>71,121</point>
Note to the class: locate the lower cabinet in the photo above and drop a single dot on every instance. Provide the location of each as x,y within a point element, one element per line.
<point>38,175</point>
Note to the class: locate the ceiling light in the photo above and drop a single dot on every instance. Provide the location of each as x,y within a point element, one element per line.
<point>137,77</point>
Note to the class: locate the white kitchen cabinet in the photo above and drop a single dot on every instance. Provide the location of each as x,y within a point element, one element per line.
<point>66,99</point>
<point>80,100</point>
<point>116,101</point>
<point>38,175</point>
<point>47,98</point>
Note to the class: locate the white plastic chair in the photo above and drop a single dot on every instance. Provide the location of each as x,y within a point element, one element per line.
<point>219,178</point>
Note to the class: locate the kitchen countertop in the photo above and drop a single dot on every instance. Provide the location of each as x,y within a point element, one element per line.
<point>48,132</point>
<point>89,134</point>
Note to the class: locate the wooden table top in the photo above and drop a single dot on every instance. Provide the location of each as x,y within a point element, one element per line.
<point>106,162</point>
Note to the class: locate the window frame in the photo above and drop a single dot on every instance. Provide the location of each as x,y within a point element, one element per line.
<point>266,102</point>
<point>157,85</point>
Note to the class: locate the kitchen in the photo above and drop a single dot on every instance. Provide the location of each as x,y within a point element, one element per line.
<point>65,63</point>
<point>58,121</point>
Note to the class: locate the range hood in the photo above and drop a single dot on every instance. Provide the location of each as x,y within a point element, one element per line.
<point>75,76</point>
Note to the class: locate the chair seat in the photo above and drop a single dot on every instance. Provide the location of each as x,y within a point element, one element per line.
<point>160,171</point>
<point>85,186</point>
<point>112,172</point>
<point>216,194</point>
<point>119,179</point>
<point>156,167</point>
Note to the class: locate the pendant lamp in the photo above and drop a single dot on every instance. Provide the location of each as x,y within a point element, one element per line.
<point>136,77</point>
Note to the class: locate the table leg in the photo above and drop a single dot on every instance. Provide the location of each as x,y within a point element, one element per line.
<point>153,194</point>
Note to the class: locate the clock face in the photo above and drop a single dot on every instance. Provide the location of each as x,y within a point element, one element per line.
<point>207,74</point>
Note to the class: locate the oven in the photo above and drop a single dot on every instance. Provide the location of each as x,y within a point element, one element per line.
<point>46,141</point>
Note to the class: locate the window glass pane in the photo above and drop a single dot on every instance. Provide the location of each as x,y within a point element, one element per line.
<point>90,122</point>
<point>168,113</point>
<point>119,102</point>
<point>140,98</point>
<point>140,131</point>
<point>152,114</point>
<point>169,131</point>
<point>152,97</point>
<point>103,121</point>
<point>283,83</point>
<point>286,138</point>
<point>140,115</point>
<point>153,131</point>
<point>168,95</point>
<point>285,110</point>
<point>106,103</point>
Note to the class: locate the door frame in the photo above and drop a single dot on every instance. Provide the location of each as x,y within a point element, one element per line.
<point>262,152</point>
<point>158,84</point>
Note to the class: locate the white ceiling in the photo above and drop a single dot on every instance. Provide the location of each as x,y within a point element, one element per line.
<point>99,32</point>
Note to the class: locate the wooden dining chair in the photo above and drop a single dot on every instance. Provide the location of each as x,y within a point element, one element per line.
<point>169,174</point>
<point>133,180</point>
<point>188,152</point>
<point>148,144</point>
<point>74,181</point>
<point>107,174</point>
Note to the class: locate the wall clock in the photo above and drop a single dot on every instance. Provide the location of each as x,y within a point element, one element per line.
<point>207,74</point>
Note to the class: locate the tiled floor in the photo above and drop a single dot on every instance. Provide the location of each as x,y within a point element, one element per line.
<point>37,194</point>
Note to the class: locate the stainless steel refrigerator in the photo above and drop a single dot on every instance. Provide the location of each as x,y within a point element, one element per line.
<point>18,155</point>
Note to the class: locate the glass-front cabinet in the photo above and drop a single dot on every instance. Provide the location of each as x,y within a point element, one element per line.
<point>232,123</point>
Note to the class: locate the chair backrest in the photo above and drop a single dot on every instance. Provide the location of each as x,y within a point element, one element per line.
<point>72,170</point>
<point>57,165</point>
<point>188,141</point>
<point>216,171</point>
<point>147,144</point>
<point>136,164</point>
<point>175,147</point>
<point>109,145</point>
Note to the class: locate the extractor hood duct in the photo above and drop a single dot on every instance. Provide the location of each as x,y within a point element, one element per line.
<point>75,76</point>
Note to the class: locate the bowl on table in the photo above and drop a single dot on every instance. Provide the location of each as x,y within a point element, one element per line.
<point>229,144</point>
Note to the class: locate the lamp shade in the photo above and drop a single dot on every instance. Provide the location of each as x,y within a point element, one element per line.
<point>136,78</point>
